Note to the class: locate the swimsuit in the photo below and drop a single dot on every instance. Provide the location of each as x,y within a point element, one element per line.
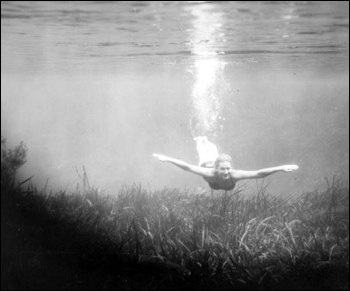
<point>215,185</point>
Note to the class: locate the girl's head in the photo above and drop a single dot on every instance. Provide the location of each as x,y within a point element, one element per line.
<point>222,158</point>
<point>223,166</point>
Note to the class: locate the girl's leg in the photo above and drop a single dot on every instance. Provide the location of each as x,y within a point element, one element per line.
<point>207,151</point>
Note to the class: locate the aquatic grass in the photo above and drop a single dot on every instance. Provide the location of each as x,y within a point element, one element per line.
<point>240,241</point>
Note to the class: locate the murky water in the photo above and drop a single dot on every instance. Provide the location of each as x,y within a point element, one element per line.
<point>105,84</point>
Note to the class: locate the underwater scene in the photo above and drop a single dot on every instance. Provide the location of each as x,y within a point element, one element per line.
<point>104,105</point>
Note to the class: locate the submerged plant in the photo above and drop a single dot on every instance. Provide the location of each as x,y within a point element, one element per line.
<point>226,238</point>
<point>11,161</point>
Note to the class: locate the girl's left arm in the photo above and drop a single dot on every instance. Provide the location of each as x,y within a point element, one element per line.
<point>239,174</point>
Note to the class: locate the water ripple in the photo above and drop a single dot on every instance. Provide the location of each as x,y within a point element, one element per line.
<point>171,28</point>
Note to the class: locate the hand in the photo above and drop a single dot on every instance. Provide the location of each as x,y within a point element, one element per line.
<point>289,168</point>
<point>161,157</point>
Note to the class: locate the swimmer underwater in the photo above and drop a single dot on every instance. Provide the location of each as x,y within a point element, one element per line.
<point>217,169</point>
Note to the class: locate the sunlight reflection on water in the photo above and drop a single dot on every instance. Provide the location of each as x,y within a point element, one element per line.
<point>208,71</point>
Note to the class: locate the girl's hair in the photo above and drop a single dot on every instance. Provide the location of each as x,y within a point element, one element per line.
<point>222,158</point>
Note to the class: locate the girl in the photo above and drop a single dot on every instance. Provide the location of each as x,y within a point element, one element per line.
<point>217,169</point>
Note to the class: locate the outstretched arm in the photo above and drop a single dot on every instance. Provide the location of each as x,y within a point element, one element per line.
<point>238,174</point>
<point>204,172</point>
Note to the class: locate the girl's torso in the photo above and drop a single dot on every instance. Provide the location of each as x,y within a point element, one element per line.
<point>215,183</point>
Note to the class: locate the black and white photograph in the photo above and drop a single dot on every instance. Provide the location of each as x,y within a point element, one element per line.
<point>174,145</point>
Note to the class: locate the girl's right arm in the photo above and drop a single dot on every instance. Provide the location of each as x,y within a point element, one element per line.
<point>204,172</point>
